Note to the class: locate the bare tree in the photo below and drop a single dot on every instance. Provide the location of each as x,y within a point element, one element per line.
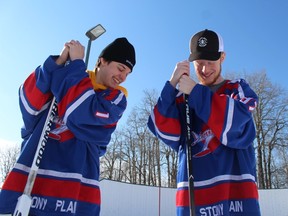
<point>271,121</point>
<point>280,169</point>
<point>8,157</point>
<point>271,124</point>
<point>111,158</point>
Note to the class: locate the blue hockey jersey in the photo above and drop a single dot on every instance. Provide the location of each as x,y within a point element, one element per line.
<point>224,166</point>
<point>67,179</point>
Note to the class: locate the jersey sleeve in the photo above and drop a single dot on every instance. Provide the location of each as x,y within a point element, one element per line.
<point>91,115</point>
<point>164,121</point>
<point>229,113</point>
<point>35,96</point>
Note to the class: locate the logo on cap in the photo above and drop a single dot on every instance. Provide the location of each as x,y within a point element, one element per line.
<point>202,42</point>
<point>129,62</point>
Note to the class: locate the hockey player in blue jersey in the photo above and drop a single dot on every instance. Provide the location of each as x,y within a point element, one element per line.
<point>223,158</point>
<point>89,106</point>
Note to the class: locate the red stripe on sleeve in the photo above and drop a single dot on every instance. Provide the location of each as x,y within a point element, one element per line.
<point>73,93</point>
<point>167,125</point>
<point>35,97</point>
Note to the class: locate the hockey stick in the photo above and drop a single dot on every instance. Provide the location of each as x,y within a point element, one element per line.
<point>93,34</point>
<point>189,156</point>
<point>25,200</point>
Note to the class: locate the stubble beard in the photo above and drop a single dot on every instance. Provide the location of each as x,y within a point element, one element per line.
<point>213,82</point>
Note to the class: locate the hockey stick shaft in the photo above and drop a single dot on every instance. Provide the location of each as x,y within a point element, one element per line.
<point>189,156</point>
<point>25,200</point>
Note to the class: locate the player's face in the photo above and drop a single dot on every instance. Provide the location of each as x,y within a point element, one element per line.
<point>209,72</point>
<point>111,74</point>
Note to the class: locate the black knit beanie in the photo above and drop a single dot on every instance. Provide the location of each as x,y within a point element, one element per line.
<point>120,50</point>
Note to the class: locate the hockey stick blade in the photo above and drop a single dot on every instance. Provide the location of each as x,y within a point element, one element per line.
<point>23,205</point>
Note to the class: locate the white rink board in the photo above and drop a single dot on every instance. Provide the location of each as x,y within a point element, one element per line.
<point>138,200</point>
<point>119,199</point>
<point>274,202</point>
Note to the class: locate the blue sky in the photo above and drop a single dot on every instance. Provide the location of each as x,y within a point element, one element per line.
<point>255,38</point>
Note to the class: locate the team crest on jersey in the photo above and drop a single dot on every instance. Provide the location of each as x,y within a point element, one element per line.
<point>204,138</point>
<point>61,131</point>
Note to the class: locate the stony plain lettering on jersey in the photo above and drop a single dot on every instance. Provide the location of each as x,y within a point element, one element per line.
<point>60,205</point>
<point>217,210</point>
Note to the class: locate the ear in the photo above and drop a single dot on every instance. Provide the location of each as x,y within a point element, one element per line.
<point>98,63</point>
<point>101,61</point>
<point>222,57</point>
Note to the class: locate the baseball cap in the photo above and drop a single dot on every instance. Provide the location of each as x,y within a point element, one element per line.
<point>120,50</point>
<point>206,45</point>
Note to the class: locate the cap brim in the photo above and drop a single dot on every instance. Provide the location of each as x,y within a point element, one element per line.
<point>212,56</point>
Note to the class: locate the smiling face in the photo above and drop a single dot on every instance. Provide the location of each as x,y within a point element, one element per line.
<point>209,72</point>
<point>111,74</point>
